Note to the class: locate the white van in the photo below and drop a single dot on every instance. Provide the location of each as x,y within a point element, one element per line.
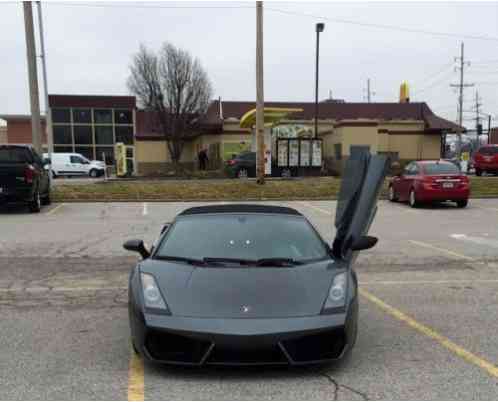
<point>72,164</point>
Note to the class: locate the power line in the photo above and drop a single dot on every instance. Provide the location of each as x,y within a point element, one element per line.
<point>389,27</point>
<point>433,85</point>
<point>142,6</point>
<point>434,75</point>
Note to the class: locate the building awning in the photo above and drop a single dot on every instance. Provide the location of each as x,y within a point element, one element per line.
<point>272,115</point>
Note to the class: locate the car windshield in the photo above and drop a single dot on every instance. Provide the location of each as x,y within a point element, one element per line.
<point>489,151</point>
<point>441,168</point>
<point>242,237</point>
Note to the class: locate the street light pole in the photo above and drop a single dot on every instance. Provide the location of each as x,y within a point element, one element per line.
<point>319,28</point>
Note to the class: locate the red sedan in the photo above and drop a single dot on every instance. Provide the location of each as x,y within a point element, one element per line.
<point>430,181</point>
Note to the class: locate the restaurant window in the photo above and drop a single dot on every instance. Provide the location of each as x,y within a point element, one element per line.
<point>87,152</point>
<point>62,135</point>
<point>123,117</point>
<point>83,135</point>
<point>61,149</point>
<point>61,115</point>
<point>124,135</point>
<point>82,116</point>
<point>102,116</point>
<point>109,154</point>
<point>103,135</point>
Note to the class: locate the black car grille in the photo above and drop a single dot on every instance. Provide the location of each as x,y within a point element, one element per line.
<point>173,348</point>
<point>322,346</point>
<point>168,347</point>
<point>266,355</point>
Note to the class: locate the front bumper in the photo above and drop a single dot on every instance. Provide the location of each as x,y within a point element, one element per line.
<point>210,341</point>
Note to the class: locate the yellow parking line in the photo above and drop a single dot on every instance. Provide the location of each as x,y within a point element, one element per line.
<point>53,210</point>
<point>429,332</point>
<point>136,378</point>
<point>308,205</point>
<point>442,250</point>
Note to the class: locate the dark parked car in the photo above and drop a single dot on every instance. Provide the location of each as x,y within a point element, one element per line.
<point>24,177</point>
<point>486,159</point>
<point>430,181</point>
<point>242,165</point>
<point>254,284</point>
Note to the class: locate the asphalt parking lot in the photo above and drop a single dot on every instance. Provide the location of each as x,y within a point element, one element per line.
<point>428,309</point>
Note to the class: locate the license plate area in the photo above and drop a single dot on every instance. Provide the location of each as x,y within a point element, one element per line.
<point>448,185</point>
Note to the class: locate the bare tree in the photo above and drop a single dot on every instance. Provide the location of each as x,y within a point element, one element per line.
<point>175,86</point>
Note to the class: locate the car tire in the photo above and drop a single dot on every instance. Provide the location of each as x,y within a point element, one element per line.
<point>462,203</point>
<point>35,204</point>
<point>134,347</point>
<point>93,173</point>
<point>46,200</point>
<point>478,172</point>
<point>242,173</point>
<point>412,199</point>
<point>392,195</point>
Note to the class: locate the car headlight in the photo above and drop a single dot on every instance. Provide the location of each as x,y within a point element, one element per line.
<point>152,295</point>
<point>336,298</point>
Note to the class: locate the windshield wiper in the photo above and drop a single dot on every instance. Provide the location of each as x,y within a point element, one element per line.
<point>277,262</point>
<point>191,261</point>
<point>240,261</point>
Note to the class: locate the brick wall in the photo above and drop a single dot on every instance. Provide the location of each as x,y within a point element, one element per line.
<point>19,132</point>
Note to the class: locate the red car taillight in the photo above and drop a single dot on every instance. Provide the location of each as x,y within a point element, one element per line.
<point>29,174</point>
<point>230,162</point>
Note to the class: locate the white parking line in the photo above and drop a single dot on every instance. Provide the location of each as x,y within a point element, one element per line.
<point>144,211</point>
<point>308,205</point>
<point>476,239</point>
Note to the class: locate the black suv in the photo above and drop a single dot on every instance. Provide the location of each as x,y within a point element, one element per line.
<point>243,165</point>
<point>24,177</point>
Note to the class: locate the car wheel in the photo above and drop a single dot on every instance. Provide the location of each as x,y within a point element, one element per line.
<point>462,203</point>
<point>135,349</point>
<point>93,173</point>
<point>478,172</point>
<point>242,174</point>
<point>392,195</point>
<point>412,199</point>
<point>54,175</point>
<point>46,200</point>
<point>35,204</point>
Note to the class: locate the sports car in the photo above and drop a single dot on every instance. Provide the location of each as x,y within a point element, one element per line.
<point>240,284</point>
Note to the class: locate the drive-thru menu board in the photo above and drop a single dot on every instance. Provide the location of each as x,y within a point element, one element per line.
<point>282,152</point>
<point>293,152</point>
<point>316,153</point>
<point>305,153</point>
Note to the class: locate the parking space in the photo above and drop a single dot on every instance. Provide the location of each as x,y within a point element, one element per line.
<point>428,311</point>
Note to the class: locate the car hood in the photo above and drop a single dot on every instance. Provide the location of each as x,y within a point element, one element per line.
<point>243,292</point>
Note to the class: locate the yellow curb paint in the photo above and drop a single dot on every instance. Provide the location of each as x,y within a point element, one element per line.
<point>429,332</point>
<point>136,378</point>
<point>53,210</point>
<point>442,250</point>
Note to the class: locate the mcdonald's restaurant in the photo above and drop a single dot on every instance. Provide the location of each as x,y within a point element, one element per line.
<point>93,125</point>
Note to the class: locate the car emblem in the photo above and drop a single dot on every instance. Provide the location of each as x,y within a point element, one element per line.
<point>245,309</point>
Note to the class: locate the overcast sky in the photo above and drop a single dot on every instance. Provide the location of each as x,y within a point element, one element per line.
<point>89,49</point>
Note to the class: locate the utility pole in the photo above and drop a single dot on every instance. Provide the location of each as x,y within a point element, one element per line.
<point>369,97</point>
<point>461,87</point>
<point>33,77</point>
<point>260,124</point>
<point>48,113</point>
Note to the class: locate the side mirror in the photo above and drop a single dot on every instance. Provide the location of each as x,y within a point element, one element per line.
<point>364,243</point>
<point>165,227</point>
<point>137,246</point>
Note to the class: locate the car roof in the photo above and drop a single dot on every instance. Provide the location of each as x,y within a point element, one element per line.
<point>443,161</point>
<point>240,208</point>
